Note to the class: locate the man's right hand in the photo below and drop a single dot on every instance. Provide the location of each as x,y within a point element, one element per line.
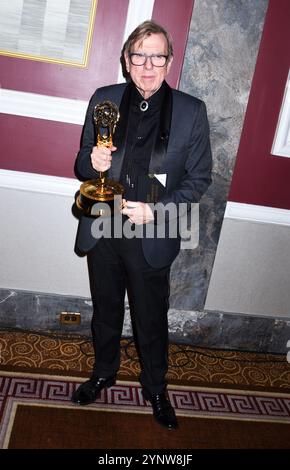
<point>101,158</point>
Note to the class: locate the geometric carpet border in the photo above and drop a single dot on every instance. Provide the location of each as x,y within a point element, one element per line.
<point>189,401</point>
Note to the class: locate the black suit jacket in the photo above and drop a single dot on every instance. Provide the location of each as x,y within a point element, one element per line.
<point>182,151</point>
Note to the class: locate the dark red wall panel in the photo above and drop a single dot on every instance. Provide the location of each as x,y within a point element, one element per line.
<point>259,177</point>
<point>175,16</point>
<point>38,146</point>
<point>69,81</point>
<point>48,147</point>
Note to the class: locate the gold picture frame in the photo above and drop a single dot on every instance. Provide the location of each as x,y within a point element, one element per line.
<point>6,30</point>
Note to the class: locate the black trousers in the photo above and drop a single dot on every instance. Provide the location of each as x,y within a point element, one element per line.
<point>117,264</point>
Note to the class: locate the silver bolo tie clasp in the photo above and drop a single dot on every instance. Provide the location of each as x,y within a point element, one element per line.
<point>144,105</point>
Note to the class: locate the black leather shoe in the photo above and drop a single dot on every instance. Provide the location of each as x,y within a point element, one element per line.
<point>88,391</point>
<point>162,409</point>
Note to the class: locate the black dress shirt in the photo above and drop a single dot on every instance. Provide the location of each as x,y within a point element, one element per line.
<point>142,128</point>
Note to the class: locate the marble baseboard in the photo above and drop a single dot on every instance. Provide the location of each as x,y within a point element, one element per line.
<point>40,312</point>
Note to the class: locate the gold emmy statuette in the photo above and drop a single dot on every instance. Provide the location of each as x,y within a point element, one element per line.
<point>97,195</point>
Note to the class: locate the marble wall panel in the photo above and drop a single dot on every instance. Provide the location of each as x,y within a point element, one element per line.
<point>219,63</point>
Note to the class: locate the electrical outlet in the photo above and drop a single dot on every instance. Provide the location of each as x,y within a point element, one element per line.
<point>70,318</point>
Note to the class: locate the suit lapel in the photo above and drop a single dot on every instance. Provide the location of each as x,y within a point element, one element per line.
<point>120,136</point>
<point>162,136</point>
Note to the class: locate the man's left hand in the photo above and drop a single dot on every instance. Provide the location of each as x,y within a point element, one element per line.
<point>138,212</point>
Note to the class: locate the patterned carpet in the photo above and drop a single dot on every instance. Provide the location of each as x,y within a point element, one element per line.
<point>187,364</point>
<point>223,399</point>
<point>37,414</point>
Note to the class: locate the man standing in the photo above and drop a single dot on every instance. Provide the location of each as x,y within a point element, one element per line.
<point>161,132</point>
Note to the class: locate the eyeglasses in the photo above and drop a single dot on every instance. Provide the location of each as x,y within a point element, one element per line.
<point>157,60</point>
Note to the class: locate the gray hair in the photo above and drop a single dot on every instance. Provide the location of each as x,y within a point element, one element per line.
<point>142,31</point>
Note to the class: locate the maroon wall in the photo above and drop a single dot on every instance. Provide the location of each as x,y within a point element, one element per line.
<point>49,147</point>
<point>38,146</point>
<point>175,16</point>
<point>259,177</point>
<point>69,81</point>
